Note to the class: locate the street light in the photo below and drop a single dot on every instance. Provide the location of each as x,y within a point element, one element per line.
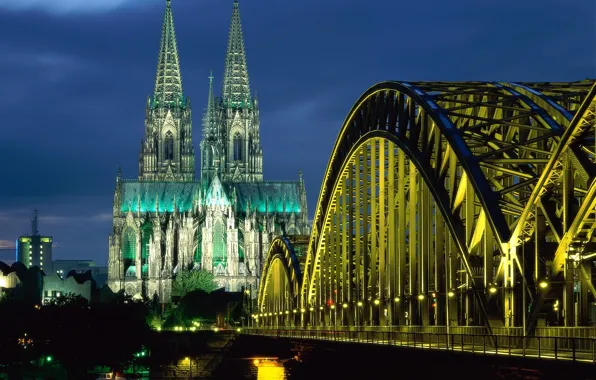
<point>492,289</point>
<point>451,294</point>
<point>543,284</point>
<point>189,366</point>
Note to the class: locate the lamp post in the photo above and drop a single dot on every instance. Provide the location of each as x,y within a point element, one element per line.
<point>189,367</point>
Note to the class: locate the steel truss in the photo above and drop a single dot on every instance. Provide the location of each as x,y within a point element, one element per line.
<point>464,203</point>
<point>282,277</point>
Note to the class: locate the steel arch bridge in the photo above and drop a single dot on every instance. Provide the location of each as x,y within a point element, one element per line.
<point>449,203</point>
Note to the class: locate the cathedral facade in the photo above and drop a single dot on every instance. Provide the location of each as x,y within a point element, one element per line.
<point>165,221</point>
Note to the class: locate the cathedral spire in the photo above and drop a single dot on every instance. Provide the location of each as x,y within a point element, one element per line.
<point>168,83</point>
<point>236,87</point>
<point>167,152</point>
<point>210,113</point>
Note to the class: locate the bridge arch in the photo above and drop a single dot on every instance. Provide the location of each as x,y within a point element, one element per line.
<point>279,289</point>
<point>413,160</point>
<point>459,137</point>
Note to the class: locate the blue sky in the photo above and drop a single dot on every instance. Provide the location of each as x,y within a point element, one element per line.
<point>75,74</point>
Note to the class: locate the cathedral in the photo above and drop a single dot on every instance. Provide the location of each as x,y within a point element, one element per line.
<point>165,221</point>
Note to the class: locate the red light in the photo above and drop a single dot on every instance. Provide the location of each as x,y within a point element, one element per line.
<point>434,305</point>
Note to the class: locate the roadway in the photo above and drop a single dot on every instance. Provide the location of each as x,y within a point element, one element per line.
<point>546,348</point>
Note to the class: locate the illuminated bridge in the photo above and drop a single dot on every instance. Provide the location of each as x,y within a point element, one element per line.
<point>451,214</point>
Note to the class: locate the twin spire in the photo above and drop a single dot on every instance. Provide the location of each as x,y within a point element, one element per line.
<point>236,87</point>
<point>168,82</point>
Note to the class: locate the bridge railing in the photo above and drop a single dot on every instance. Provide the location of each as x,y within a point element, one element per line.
<point>556,331</point>
<point>581,349</point>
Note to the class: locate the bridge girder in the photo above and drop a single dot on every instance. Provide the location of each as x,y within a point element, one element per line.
<point>487,162</point>
<point>282,277</point>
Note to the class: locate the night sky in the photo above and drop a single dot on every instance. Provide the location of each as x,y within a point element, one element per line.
<point>75,75</point>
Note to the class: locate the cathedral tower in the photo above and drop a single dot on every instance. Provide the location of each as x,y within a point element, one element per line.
<point>231,142</point>
<point>167,152</point>
<point>165,222</point>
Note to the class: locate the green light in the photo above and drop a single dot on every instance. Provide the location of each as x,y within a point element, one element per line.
<point>266,196</point>
<point>49,359</point>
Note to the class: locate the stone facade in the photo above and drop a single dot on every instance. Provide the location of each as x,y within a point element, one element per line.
<point>165,221</point>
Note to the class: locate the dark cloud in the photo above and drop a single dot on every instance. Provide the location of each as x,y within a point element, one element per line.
<point>73,83</point>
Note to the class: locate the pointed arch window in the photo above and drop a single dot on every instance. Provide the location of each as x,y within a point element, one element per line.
<point>169,146</point>
<point>237,147</point>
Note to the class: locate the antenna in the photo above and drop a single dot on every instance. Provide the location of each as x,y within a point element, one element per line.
<point>34,222</point>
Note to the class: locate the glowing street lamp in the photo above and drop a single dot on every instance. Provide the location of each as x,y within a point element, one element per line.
<point>543,284</point>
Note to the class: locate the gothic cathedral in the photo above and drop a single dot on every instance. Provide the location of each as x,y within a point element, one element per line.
<point>165,221</point>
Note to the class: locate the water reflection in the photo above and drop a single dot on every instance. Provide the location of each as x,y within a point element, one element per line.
<point>269,369</point>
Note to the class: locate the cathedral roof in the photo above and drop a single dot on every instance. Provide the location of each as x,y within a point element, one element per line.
<point>151,194</point>
<point>271,196</point>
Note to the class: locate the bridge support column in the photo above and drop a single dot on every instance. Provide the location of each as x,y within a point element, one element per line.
<point>569,301</point>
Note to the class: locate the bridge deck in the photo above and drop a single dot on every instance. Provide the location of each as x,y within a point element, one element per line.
<point>549,348</point>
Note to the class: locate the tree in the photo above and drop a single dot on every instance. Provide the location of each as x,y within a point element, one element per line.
<point>69,300</point>
<point>188,281</point>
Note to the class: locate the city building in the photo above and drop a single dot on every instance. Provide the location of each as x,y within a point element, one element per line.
<point>34,249</point>
<point>22,283</point>
<point>165,221</point>
<point>34,286</point>
<point>81,284</point>
<point>64,267</point>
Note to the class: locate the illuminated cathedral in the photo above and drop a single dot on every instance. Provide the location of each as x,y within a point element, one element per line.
<point>165,221</point>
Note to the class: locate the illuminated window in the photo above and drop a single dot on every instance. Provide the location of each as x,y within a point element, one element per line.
<point>237,147</point>
<point>169,146</point>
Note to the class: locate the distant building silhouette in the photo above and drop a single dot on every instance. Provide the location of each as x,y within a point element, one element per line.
<point>34,249</point>
<point>99,273</point>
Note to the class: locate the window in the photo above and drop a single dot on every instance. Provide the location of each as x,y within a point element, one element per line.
<point>237,147</point>
<point>169,146</point>
<point>129,246</point>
